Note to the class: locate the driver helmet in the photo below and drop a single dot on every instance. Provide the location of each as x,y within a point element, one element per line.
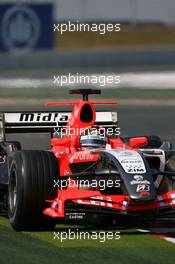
<point>92,139</point>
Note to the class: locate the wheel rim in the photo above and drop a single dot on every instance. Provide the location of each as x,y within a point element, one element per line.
<point>13,192</point>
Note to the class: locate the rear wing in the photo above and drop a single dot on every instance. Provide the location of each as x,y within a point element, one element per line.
<point>47,121</point>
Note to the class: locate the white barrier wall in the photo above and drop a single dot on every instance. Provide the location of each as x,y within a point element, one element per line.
<point>135,10</point>
<point>132,10</point>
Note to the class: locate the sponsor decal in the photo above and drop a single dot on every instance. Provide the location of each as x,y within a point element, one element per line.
<point>134,182</point>
<point>62,117</point>
<point>131,161</point>
<point>81,155</point>
<point>43,117</point>
<point>99,201</point>
<point>75,215</point>
<point>133,166</point>
<point>143,188</point>
<point>138,177</point>
<point>126,153</point>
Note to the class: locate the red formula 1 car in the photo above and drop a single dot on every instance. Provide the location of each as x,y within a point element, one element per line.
<point>89,174</point>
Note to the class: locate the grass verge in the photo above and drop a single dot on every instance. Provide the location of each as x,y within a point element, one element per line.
<point>40,247</point>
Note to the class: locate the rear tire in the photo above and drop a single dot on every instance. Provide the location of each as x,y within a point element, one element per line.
<point>31,183</point>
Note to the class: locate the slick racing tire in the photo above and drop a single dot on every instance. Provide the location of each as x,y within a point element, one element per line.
<point>31,183</point>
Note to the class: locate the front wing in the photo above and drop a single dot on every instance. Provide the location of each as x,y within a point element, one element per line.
<point>85,201</point>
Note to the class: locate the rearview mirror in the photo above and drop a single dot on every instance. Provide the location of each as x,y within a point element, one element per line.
<point>138,142</point>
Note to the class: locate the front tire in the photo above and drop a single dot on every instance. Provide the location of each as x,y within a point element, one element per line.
<point>31,183</point>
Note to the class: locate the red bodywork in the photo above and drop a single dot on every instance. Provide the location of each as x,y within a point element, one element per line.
<point>68,150</point>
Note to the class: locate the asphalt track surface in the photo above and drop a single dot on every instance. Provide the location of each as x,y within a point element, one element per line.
<point>133,120</point>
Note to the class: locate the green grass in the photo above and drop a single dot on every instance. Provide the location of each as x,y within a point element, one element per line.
<point>40,247</point>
